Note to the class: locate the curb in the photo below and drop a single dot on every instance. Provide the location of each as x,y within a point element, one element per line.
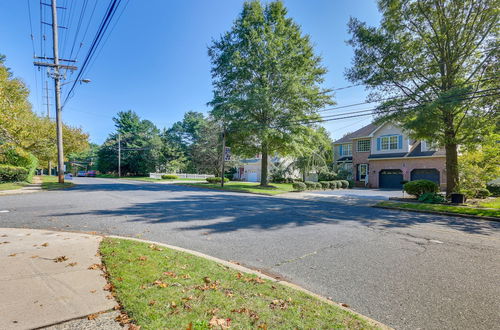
<point>480,217</point>
<point>254,272</point>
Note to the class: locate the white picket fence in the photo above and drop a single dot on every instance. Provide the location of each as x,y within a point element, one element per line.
<point>181,175</point>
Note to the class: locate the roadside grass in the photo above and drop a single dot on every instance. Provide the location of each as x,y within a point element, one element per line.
<point>491,203</point>
<point>249,187</point>
<point>160,288</point>
<point>443,208</point>
<point>12,185</point>
<point>51,183</point>
<point>143,178</point>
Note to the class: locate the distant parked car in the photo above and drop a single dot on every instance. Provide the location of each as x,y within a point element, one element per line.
<point>81,173</point>
<point>91,173</point>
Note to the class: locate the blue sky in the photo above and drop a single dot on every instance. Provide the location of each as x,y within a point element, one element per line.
<point>155,61</point>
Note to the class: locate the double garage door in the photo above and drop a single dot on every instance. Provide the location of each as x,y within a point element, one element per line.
<point>393,178</point>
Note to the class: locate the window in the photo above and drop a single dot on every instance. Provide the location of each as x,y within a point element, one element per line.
<point>389,142</point>
<point>363,145</point>
<point>345,150</point>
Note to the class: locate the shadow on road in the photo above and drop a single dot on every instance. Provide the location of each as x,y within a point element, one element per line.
<point>221,212</point>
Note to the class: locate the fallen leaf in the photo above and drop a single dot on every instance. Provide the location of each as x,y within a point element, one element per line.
<point>262,326</point>
<point>45,244</point>
<point>173,304</point>
<point>155,247</point>
<point>187,306</point>
<point>152,302</point>
<point>220,323</point>
<point>122,319</point>
<point>132,326</point>
<point>33,257</point>
<point>278,304</point>
<point>93,291</point>
<point>92,316</point>
<point>116,307</point>
<point>72,264</point>
<point>160,284</point>
<point>108,287</point>
<point>207,279</point>
<point>95,267</point>
<point>213,311</point>
<point>110,297</point>
<point>170,274</point>
<point>190,326</point>
<point>344,305</point>
<point>12,255</point>
<point>143,258</point>
<point>186,276</point>
<point>60,259</point>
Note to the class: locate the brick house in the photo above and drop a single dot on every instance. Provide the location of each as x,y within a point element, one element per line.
<point>383,156</point>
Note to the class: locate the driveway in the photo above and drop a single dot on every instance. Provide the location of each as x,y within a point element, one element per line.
<point>405,269</point>
<point>362,193</point>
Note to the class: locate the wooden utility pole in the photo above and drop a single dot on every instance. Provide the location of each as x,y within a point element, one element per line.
<point>119,155</point>
<point>49,165</point>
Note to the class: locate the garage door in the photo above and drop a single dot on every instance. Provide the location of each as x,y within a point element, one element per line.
<point>425,174</point>
<point>391,179</point>
<point>252,176</point>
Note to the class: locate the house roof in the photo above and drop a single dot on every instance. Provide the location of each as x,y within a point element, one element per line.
<point>389,155</point>
<point>344,159</point>
<point>362,132</point>
<point>417,152</point>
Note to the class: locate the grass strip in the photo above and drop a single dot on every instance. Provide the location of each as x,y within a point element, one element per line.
<point>466,210</point>
<point>143,178</point>
<point>12,185</point>
<point>52,183</point>
<point>160,288</point>
<point>491,203</point>
<point>248,187</point>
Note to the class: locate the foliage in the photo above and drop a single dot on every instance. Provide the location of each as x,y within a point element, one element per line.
<point>419,187</point>
<point>326,176</point>
<point>15,156</point>
<point>494,188</point>
<point>324,184</point>
<point>344,183</point>
<point>140,146</point>
<point>438,61</point>
<point>310,184</point>
<point>441,208</point>
<point>299,186</point>
<point>482,193</point>
<point>84,160</point>
<point>431,198</point>
<point>493,203</point>
<point>266,81</point>
<point>9,173</point>
<point>169,177</point>
<point>479,165</point>
<point>215,179</point>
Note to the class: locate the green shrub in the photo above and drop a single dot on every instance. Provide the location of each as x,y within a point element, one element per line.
<point>482,193</point>
<point>494,188</point>
<point>338,183</point>
<point>326,176</point>
<point>351,183</point>
<point>325,184</point>
<point>299,186</point>
<point>15,156</point>
<point>344,183</point>
<point>310,185</point>
<point>432,198</point>
<point>318,185</point>
<point>10,173</point>
<point>169,177</point>
<point>419,187</point>
<point>215,179</point>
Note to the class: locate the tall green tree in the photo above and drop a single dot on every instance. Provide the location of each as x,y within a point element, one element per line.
<point>436,65</point>
<point>266,81</point>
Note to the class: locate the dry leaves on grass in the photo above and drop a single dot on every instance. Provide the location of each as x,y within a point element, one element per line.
<point>142,258</point>
<point>155,247</point>
<point>132,326</point>
<point>108,287</point>
<point>122,319</point>
<point>160,284</point>
<point>278,304</point>
<point>249,279</point>
<point>60,259</point>
<point>170,274</point>
<point>219,323</point>
<point>251,314</point>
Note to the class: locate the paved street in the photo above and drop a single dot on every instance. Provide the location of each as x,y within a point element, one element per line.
<point>407,270</point>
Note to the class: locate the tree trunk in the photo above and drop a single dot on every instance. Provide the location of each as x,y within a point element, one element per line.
<point>451,168</point>
<point>263,168</point>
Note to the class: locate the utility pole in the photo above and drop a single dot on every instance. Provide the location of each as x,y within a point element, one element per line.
<point>223,157</point>
<point>119,155</point>
<point>56,75</point>
<point>49,165</point>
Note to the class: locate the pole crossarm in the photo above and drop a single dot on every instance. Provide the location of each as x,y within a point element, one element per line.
<point>59,66</point>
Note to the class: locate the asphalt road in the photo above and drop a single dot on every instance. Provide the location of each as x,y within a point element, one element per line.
<point>407,270</point>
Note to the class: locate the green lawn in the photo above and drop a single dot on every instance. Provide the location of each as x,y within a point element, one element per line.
<point>160,288</point>
<point>467,210</point>
<point>144,178</point>
<point>250,187</point>
<point>51,183</point>
<point>12,185</point>
<point>491,203</point>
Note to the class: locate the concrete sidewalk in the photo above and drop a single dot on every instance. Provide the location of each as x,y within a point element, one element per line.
<point>46,280</point>
<point>35,186</point>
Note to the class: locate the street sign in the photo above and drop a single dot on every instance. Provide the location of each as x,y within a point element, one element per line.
<point>227,153</point>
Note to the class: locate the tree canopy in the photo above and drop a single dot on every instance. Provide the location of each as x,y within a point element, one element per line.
<point>266,81</point>
<point>434,65</point>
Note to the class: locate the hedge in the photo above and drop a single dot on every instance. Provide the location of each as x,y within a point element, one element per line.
<point>299,186</point>
<point>494,188</point>
<point>169,177</point>
<point>419,187</point>
<point>10,173</point>
<point>215,179</point>
<point>324,184</point>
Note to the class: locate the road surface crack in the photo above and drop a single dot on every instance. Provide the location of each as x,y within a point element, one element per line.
<point>308,254</point>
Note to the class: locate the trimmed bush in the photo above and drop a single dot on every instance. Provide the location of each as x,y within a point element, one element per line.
<point>15,156</point>
<point>310,185</point>
<point>10,173</point>
<point>318,185</point>
<point>344,183</point>
<point>432,198</point>
<point>482,193</point>
<point>169,177</point>
<point>333,184</point>
<point>419,187</point>
<point>299,186</point>
<point>351,183</point>
<point>326,176</point>
<point>215,179</point>
<point>325,184</point>
<point>338,183</point>
<point>494,188</point>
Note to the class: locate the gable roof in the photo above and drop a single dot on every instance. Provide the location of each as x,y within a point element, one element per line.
<point>362,132</point>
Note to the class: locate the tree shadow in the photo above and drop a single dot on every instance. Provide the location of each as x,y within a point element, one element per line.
<point>211,211</point>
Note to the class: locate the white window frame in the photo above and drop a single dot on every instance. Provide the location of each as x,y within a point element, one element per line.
<point>366,143</point>
<point>365,166</point>
<point>389,142</point>
<point>347,149</point>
